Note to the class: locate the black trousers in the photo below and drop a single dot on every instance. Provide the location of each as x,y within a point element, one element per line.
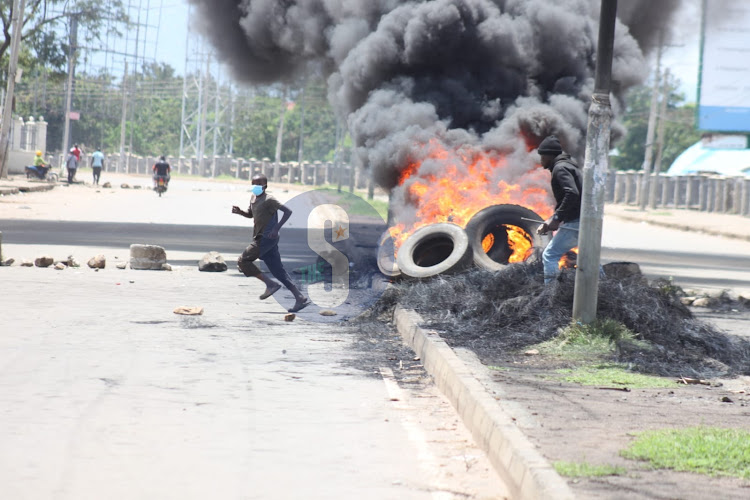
<point>271,257</point>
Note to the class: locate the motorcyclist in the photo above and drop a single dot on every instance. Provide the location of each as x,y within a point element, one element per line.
<point>40,165</point>
<point>161,169</point>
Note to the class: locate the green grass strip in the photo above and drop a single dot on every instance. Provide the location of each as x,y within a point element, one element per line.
<point>706,450</point>
<point>612,375</point>
<point>583,469</point>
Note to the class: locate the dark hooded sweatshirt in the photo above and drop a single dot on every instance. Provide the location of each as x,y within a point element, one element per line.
<point>567,186</point>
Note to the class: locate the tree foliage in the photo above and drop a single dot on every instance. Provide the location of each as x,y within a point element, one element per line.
<point>679,129</point>
<point>45,21</point>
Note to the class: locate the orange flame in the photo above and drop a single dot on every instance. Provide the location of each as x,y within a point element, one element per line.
<point>520,242</point>
<point>569,260</point>
<point>462,188</point>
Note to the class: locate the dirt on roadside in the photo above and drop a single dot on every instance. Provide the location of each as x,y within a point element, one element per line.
<point>584,424</point>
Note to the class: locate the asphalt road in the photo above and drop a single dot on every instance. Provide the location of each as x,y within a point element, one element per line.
<point>706,263</point>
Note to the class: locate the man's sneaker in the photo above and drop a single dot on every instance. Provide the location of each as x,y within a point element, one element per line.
<point>299,305</point>
<point>270,291</point>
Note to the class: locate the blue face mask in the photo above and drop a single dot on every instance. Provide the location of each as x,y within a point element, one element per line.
<point>257,190</point>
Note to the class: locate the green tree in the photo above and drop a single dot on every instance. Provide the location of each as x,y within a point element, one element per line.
<point>44,19</point>
<point>679,131</point>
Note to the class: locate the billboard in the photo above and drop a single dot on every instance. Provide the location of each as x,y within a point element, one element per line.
<point>724,92</point>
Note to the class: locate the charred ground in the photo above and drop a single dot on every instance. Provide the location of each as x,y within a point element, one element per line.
<point>497,314</point>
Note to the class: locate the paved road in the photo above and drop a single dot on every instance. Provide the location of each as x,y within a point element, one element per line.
<point>692,260</point>
<point>106,393</point>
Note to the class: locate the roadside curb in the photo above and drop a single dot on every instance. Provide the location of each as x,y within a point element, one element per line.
<point>683,227</point>
<point>527,474</point>
<point>4,190</point>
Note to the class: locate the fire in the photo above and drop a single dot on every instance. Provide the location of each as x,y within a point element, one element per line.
<point>569,260</point>
<point>520,242</point>
<point>461,187</point>
<point>488,242</point>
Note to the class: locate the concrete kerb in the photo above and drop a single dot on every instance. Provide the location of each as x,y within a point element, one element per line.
<point>528,475</point>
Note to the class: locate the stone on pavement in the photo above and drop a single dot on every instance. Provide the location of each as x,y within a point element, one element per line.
<point>212,262</point>
<point>44,261</point>
<point>147,257</point>
<point>189,310</point>
<point>97,262</point>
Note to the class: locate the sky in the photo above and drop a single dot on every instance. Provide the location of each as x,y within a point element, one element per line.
<point>682,56</point>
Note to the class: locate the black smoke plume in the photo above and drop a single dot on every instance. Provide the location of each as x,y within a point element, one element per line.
<point>493,75</point>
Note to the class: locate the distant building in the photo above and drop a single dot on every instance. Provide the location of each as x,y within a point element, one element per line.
<point>714,154</point>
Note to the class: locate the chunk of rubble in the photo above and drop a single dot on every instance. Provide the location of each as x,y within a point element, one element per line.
<point>189,310</point>
<point>703,302</point>
<point>26,263</point>
<point>71,262</point>
<point>148,257</point>
<point>97,262</point>
<point>44,261</point>
<point>60,266</point>
<point>212,262</point>
<point>122,265</point>
<point>289,317</point>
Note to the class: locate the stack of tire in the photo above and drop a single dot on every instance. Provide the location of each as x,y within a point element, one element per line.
<point>446,248</point>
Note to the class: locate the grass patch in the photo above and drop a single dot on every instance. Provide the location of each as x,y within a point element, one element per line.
<point>613,375</point>
<point>498,368</point>
<point>706,450</point>
<point>584,343</point>
<point>583,469</point>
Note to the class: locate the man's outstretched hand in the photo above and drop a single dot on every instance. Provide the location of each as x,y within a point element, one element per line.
<point>236,210</point>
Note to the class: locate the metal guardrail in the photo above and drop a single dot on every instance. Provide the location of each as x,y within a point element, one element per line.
<point>703,192</point>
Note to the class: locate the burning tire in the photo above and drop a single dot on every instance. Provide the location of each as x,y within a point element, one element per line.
<point>435,249</point>
<point>387,256</point>
<point>503,234</point>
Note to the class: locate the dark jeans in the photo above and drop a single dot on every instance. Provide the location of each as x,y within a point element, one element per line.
<point>71,174</point>
<point>271,257</point>
<point>97,174</point>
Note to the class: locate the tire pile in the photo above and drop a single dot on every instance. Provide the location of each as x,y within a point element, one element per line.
<point>446,248</point>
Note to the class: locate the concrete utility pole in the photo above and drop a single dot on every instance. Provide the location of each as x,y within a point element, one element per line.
<point>69,90</point>
<point>649,154</point>
<point>660,138</point>
<point>123,118</point>
<point>595,169</point>
<point>279,137</point>
<point>17,26</point>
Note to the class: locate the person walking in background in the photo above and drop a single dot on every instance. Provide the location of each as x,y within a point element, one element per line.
<point>77,152</point>
<point>264,210</point>
<point>97,162</point>
<point>567,186</point>
<point>72,165</point>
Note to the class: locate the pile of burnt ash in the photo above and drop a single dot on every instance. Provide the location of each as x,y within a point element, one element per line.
<point>511,309</point>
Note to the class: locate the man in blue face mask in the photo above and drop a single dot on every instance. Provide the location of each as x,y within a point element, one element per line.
<point>264,210</point>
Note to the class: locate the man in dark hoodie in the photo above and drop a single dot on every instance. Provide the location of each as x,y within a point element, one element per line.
<point>567,186</point>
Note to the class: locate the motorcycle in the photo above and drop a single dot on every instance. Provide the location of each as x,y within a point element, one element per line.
<point>160,184</point>
<point>42,173</point>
